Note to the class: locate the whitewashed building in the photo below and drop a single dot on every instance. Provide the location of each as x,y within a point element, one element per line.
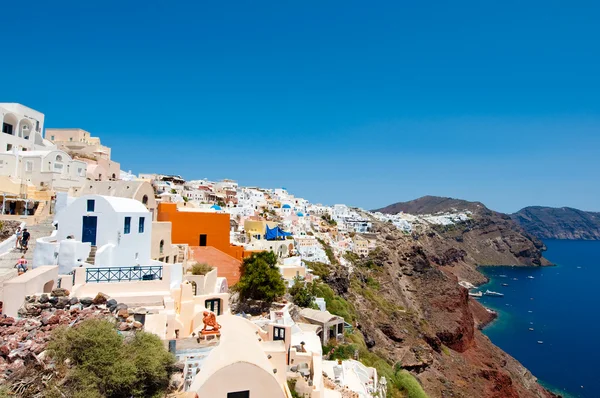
<point>119,228</point>
<point>44,169</point>
<point>22,128</point>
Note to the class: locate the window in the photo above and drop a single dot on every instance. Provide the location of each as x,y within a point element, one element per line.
<point>167,259</point>
<point>8,147</point>
<point>127,226</point>
<point>213,305</point>
<point>239,394</point>
<point>70,138</point>
<point>37,126</point>
<point>52,138</point>
<point>145,200</point>
<point>203,240</point>
<point>91,205</point>
<point>7,128</point>
<point>162,246</point>
<point>29,166</point>
<point>278,333</point>
<point>141,226</point>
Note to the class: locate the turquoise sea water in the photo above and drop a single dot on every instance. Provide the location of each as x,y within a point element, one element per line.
<point>561,304</point>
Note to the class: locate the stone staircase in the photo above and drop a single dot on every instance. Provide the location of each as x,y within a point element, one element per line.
<point>92,257</point>
<point>40,230</point>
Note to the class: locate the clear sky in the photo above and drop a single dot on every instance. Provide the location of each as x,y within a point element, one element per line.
<point>364,103</point>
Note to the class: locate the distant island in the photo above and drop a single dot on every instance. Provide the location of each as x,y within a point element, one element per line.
<point>559,223</point>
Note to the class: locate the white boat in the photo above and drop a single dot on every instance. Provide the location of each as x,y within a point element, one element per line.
<point>475,294</point>
<point>540,342</point>
<point>495,294</point>
<point>530,277</point>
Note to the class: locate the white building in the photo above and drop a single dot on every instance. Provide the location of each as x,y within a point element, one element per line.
<point>120,228</point>
<point>22,128</point>
<point>44,169</point>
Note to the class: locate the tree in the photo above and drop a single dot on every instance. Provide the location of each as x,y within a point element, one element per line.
<point>302,293</point>
<point>260,278</point>
<point>102,364</point>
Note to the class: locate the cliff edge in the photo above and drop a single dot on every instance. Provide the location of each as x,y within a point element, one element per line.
<point>559,223</point>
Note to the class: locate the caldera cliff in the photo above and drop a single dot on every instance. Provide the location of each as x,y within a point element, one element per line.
<point>412,311</point>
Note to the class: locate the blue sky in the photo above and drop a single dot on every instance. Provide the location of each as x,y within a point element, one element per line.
<point>364,103</point>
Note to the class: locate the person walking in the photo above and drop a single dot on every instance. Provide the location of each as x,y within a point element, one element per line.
<point>21,265</point>
<point>18,235</point>
<point>25,239</point>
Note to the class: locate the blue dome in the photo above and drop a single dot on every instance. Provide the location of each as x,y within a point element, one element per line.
<point>286,207</point>
<point>216,207</point>
<point>299,214</point>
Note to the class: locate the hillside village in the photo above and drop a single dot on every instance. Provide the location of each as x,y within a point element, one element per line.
<point>103,234</point>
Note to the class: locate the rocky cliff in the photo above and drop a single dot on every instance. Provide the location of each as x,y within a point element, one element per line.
<point>559,223</point>
<point>412,311</point>
<point>486,238</point>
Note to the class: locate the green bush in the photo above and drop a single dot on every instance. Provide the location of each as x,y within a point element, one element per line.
<point>319,269</point>
<point>201,269</point>
<point>103,365</point>
<point>260,278</point>
<point>335,304</point>
<point>302,293</point>
<point>341,351</point>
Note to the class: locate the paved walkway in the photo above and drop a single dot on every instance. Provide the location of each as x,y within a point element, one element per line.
<point>45,228</point>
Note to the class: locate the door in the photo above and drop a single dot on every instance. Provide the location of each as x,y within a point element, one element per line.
<point>90,224</point>
<point>213,305</point>
<point>202,240</point>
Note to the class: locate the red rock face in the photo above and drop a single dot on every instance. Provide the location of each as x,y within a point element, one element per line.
<point>436,336</point>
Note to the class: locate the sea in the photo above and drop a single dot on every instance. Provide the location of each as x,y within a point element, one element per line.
<point>562,306</point>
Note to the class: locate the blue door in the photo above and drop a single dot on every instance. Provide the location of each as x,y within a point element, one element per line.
<point>89,229</point>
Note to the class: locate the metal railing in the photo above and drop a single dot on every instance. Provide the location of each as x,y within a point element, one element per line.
<point>73,275</point>
<point>122,274</point>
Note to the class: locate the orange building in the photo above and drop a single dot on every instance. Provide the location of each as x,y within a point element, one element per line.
<point>197,228</point>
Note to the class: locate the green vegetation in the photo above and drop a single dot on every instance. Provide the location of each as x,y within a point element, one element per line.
<point>302,293</point>
<point>201,269</point>
<point>339,351</point>
<point>260,278</point>
<point>329,251</point>
<point>445,350</point>
<point>327,218</point>
<point>292,386</point>
<point>352,258</point>
<point>400,382</point>
<point>103,365</point>
<point>319,269</point>
<point>173,191</point>
<point>370,289</point>
<point>335,304</point>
